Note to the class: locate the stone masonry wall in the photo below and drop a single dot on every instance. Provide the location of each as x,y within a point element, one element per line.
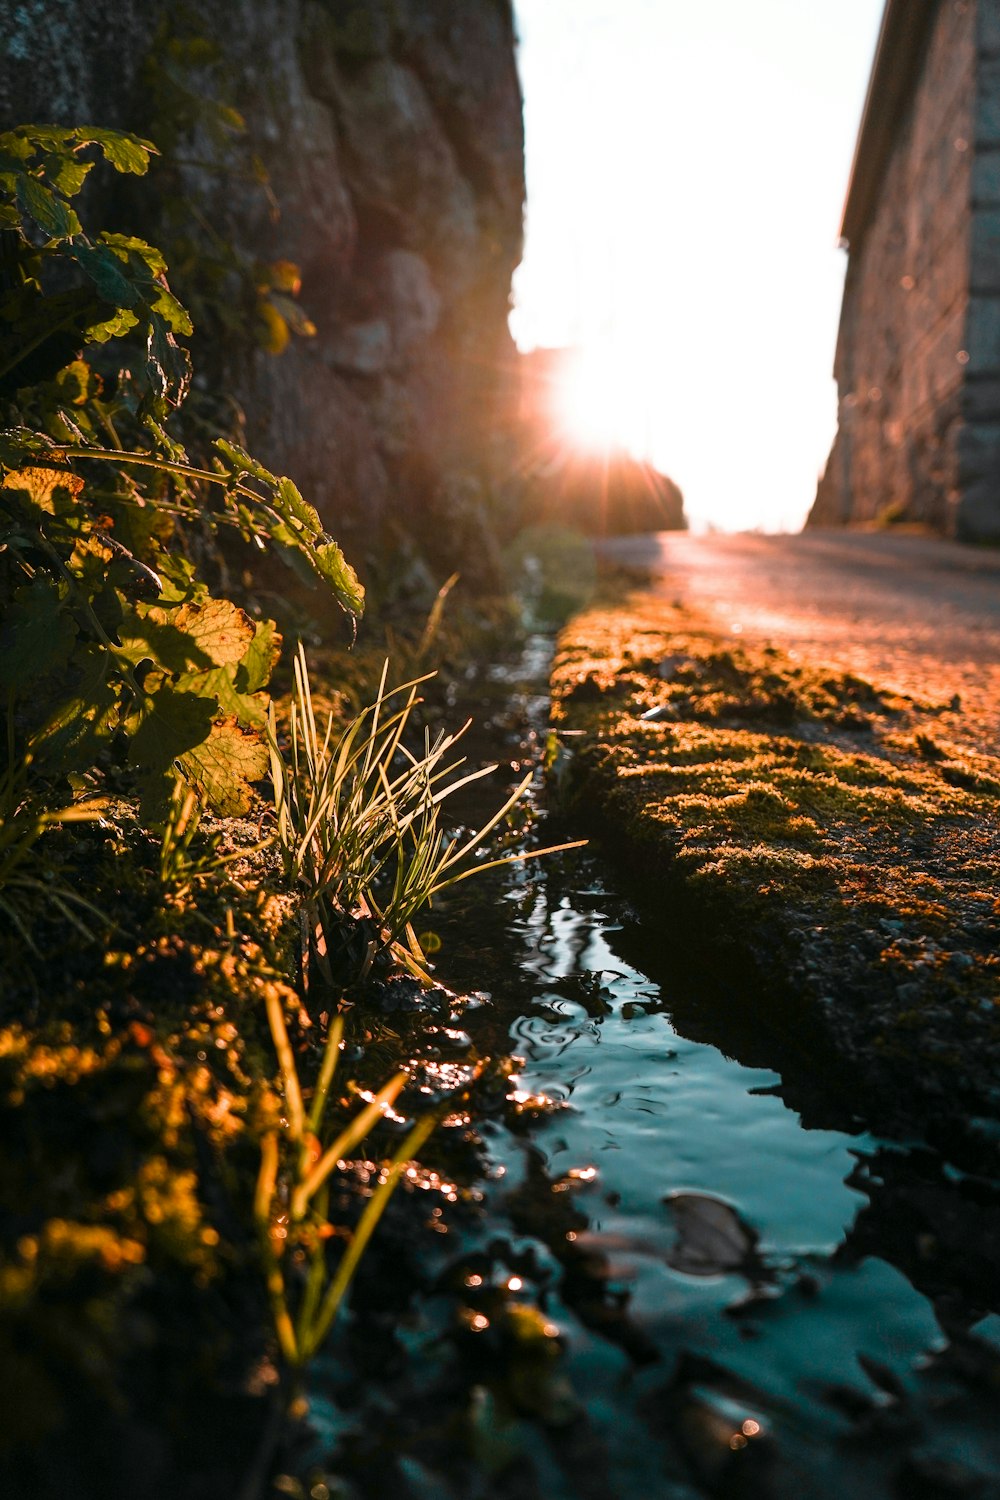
<point>902,352</point>
<point>392,134</point>
<point>978,516</point>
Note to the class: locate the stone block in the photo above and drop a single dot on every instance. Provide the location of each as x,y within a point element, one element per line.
<point>988,27</point>
<point>977,518</point>
<point>361,348</point>
<point>987,130</point>
<point>982,335</point>
<point>981,399</point>
<point>986,177</point>
<point>984,257</point>
<point>979,454</point>
<point>412,300</point>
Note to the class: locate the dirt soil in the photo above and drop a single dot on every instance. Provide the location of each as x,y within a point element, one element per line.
<point>825,844</point>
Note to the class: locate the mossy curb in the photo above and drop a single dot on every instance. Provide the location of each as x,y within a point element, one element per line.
<point>819,836</point>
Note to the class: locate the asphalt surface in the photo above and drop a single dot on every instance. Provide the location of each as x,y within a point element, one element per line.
<point>916,614</point>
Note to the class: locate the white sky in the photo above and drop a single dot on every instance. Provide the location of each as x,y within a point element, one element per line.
<point>687,163</point>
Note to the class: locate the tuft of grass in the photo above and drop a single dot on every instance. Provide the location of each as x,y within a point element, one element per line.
<point>291,1208</point>
<point>359,820</point>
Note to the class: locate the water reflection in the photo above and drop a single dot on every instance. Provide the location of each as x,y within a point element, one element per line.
<point>775,1291</point>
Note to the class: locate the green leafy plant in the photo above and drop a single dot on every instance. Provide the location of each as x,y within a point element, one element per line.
<point>121,651</point>
<point>359,821</point>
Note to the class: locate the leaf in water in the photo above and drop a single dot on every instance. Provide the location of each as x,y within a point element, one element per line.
<point>712,1239</point>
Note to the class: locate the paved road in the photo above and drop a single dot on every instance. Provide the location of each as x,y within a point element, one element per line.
<point>914,613</point>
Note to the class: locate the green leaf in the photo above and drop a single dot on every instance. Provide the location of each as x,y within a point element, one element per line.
<point>19,443</point>
<point>250,709</point>
<point>125,152</point>
<point>111,328</point>
<point>31,137</point>
<point>296,510</point>
<point>261,657</point>
<point>77,382</point>
<point>105,271</point>
<point>167,725</point>
<point>335,570</point>
<point>128,248</point>
<point>75,732</point>
<point>224,764</point>
<point>66,174</point>
<point>14,146</point>
<point>238,461</point>
<point>172,312</point>
<point>36,637</point>
<point>189,638</point>
<point>53,217</point>
<point>36,492</point>
<point>169,366</point>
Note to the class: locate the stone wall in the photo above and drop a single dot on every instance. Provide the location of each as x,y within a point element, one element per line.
<point>391,131</point>
<point>979,441</point>
<point>903,350</point>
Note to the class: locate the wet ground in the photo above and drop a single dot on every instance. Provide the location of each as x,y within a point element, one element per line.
<point>748,1304</point>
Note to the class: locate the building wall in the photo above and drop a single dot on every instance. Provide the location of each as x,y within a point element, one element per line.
<point>978,517</point>
<point>902,353</point>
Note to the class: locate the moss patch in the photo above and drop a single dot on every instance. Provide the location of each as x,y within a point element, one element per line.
<point>827,830</point>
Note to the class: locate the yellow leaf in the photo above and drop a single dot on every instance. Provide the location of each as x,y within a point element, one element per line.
<point>51,490</point>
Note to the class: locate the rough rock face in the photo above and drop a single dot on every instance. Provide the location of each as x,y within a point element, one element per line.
<point>391,133</point>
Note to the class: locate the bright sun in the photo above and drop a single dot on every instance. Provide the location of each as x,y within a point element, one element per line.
<point>601,402</point>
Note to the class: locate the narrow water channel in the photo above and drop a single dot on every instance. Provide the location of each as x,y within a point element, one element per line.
<point>746,1306</point>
